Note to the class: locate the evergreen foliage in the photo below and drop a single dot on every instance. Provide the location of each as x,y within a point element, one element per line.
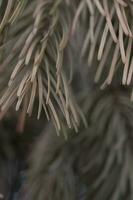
<point>70,62</point>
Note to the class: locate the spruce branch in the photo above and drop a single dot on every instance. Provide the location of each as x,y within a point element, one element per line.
<point>12,9</point>
<point>34,51</point>
<point>110,34</point>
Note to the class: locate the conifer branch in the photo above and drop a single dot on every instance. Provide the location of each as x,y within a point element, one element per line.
<point>34,52</point>
<point>110,34</point>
